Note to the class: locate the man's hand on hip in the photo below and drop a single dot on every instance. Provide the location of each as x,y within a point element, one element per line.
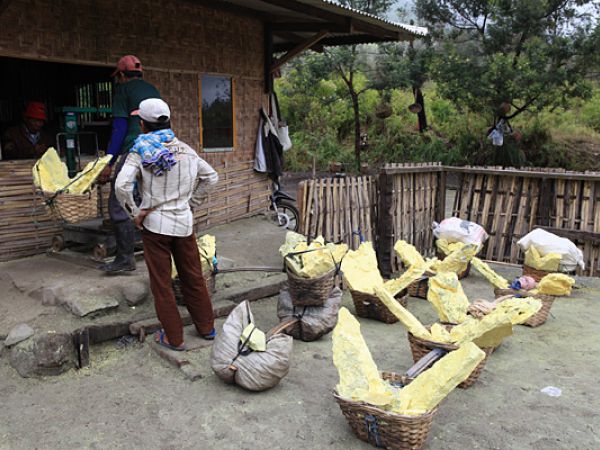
<point>139,219</point>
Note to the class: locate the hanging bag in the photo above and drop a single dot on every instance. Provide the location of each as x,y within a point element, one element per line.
<point>283,132</point>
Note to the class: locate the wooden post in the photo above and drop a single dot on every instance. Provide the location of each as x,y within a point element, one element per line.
<point>440,210</point>
<point>385,241</point>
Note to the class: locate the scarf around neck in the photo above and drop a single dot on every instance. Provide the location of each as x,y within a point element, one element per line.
<point>155,156</point>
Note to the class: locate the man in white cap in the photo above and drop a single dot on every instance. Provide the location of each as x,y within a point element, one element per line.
<point>171,180</point>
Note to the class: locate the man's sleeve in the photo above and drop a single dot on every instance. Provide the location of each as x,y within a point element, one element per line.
<point>125,182</point>
<point>117,137</point>
<point>206,178</point>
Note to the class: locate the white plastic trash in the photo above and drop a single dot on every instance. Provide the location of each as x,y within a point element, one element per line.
<point>457,230</point>
<point>546,242</point>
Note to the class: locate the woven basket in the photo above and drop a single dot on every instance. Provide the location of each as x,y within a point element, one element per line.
<point>420,347</point>
<point>310,291</point>
<point>462,274</point>
<point>73,208</point>
<point>369,306</point>
<point>419,288</point>
<point>540,317</point>
<point>386,429</point>
<point>210,285</point>
<point>536,274</point>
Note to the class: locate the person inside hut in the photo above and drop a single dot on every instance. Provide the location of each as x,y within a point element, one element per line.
<point>172,179</point>
<point>27,140</point>
<point>131,89</point>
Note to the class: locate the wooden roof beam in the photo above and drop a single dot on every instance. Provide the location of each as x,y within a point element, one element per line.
<point>313,26</point>
<point>312,41</point>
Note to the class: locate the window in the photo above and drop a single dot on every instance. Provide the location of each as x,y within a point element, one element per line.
<point>216,122</point>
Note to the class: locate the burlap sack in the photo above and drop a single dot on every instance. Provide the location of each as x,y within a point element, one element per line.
<point>255,371</point>
<point>314,321</point>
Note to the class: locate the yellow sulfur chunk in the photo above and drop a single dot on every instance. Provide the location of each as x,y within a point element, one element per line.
<point>549,261</point>
<point>518,310</point>
<point>458,260</point>
<point>489,274</point>
<point>207,248</point>
<point>398,284</point>
<point>411,323</point>
<point>360,271</point>
<point>292,240</point>
<point>440,334</point>
<point>359,377</point>
<point>318,258</point>
<point>427,390</point>
<point>446,248</point>
<point>447,297</point>
<point>556,284</point>
<point>473,328</point>
<point>408,254</point>
<point>50,174</point>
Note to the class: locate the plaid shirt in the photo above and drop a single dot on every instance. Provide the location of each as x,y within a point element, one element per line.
<point>171,194</point>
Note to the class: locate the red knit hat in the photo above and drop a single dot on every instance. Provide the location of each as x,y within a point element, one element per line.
<point>35,110</point>
<point>128,63</point>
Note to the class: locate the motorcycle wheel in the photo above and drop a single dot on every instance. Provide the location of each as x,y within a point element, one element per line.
<point>288,216</point>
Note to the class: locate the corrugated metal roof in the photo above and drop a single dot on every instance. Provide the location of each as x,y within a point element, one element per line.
<point>419,31</point>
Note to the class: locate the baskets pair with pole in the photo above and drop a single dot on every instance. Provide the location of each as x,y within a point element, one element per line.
<point>369,306</point>
<point>386,429</point>
<point>420,347</point>
<point>540,317</point>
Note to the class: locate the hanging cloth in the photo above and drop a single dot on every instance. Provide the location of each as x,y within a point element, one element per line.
<point>260,160</point>
<point>272,148</point>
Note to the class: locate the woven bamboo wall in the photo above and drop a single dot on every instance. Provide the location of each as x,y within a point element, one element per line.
<point>510,203</point>
<point>177,42</point>
<point>337,208</point>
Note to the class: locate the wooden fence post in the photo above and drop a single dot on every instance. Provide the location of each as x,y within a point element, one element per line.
<point>385,231</point>
<point>440,212</point>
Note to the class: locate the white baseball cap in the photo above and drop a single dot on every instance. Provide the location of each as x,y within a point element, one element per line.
<point>154,110</point>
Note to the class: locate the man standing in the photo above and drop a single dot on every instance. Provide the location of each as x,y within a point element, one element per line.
<point>171,179</point>
<point>28,140</point>
<point>130,90</point>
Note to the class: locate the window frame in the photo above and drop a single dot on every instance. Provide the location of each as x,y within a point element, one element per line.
<point>233,114</point>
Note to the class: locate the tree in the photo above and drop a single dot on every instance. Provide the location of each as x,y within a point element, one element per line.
<point>349,61</point>
<point>504,57</point>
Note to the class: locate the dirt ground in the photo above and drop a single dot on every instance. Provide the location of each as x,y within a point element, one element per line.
<point>130,398</point>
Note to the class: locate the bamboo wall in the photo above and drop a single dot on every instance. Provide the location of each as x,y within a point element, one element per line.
<point>510,203</point>
<point>338,209</point>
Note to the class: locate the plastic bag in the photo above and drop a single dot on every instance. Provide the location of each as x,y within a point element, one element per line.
<point>315,321</point>
<point>549,262</point>
<point>457,230</point>
<point>546,242</point>
<point>255,371</point>
<point>446,295</point>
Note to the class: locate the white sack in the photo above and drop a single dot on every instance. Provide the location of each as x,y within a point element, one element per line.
<point>457,230</point>
<point>255,371</point>
<point>546,242</point>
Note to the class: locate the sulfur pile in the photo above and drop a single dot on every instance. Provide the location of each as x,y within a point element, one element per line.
<point>310,260</point>
<point>512,311</point>
<point>50,174</point>
<point>207,248</point>
<point>360,379</point>
<point>361,272</point>
<point>456,261</point>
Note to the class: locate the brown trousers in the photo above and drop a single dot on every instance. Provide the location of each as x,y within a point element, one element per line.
<point>158,249</point>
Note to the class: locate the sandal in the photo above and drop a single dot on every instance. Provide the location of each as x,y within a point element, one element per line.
<point>209,336</point>
<point>159,338</point>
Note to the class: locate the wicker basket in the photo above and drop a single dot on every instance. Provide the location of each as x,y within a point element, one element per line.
<point>420,347</point>
<point>210,285</point>
<point>369,306</point>
<point>386,429</point>
<point>419,288</point>
<point>73,208</point>
<point>310,291</point>
<point>540,317</point>
<point>536,274</point>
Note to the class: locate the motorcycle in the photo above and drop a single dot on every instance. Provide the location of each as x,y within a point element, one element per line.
<point>283,204</point>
